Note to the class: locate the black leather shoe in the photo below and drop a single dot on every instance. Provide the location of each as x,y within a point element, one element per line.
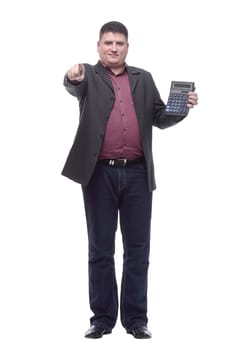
<point>140,333</point>
<point>95,332</point>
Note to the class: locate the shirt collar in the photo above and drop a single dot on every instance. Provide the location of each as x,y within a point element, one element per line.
<point>111,72</point>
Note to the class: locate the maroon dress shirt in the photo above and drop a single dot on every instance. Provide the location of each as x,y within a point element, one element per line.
<point>122,136</point>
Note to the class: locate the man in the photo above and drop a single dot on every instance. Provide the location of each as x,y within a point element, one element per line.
<point>112,159</point>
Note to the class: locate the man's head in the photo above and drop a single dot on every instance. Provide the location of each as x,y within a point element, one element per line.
<point>113,27</point>
<point>113,44</point>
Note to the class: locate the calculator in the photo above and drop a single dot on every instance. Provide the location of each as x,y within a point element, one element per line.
<point>178,99</point>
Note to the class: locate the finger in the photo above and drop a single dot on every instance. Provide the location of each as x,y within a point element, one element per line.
<point>192,95</point>
<point>75,70</point>
<point>189,105</point>
<point>80,68</point>
<point>193,101</point>
<point>192,98</point>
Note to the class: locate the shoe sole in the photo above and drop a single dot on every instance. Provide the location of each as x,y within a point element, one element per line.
<point>97,337</point>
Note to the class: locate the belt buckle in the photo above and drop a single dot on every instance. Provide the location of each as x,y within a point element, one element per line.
<point>118,162</point>
<point>121,161</point>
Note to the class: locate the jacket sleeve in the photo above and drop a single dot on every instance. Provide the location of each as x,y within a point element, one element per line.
<point>77,89</point>
<point>164,120</point>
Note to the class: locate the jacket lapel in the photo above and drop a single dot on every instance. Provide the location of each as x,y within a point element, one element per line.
<point>133,75</point>
<point>101,70</point>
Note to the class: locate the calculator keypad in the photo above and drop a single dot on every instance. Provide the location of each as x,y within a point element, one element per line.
<point>177,104</point>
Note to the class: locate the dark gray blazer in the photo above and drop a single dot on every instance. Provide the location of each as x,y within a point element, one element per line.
<point>96,98</point>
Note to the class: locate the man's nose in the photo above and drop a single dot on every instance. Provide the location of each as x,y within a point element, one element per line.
<point>114,47</point>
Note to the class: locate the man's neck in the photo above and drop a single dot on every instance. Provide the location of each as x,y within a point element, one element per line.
<point>115,70</point>
<point>118,70</point>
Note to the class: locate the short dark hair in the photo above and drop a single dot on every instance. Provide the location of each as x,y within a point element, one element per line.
<point>114,27</point>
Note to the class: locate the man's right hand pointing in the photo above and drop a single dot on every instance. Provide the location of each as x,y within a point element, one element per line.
<point>76,72</point>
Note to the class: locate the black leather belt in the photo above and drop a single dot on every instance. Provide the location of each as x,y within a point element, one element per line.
<point>119,162</point>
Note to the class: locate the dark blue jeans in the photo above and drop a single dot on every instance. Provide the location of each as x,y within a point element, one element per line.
<point>124,191</point>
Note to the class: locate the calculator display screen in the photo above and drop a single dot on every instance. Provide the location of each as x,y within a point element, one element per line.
<point>181,86</point>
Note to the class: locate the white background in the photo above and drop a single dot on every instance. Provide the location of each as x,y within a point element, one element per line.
<point>43,248</point>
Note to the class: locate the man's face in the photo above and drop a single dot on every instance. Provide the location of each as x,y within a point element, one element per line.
<point>113,49</point>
